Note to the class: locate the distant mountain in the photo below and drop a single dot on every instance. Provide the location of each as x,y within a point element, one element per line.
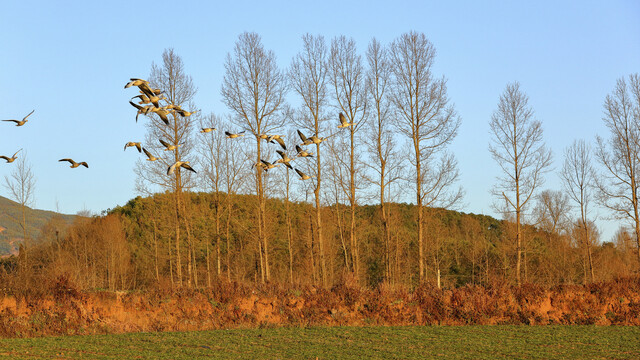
<point>11,234</point>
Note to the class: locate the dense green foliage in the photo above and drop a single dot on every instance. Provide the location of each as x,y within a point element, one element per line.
<point>443,342</point>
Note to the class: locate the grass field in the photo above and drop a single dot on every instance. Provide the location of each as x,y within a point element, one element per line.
<point>442,342</point>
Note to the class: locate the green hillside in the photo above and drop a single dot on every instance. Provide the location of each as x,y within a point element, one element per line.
<point>11,217</point>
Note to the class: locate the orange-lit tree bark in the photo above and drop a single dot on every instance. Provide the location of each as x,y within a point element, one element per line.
<point>620,155</point>
<point>347,77</point>
<point>386,162</point>
<point>179,90</point>
<point>254,89</point>
<point>210,147</point>
<point>426,118</point>
<point>308,78</point>
<point>518,148</point>
<point>577,175</point>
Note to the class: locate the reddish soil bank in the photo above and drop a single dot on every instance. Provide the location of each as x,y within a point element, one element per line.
<point>68,311</point>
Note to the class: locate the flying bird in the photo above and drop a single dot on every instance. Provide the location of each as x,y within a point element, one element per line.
<point>268,165</point>
<point>131,143</point>
<point>144,110</point>
<point>343,121</point>
<point>285,159</point>
<point>10,159</point>
<point>168,146</point>
<point>21,122</point>
<point>302,152</point>
<point>303,176</point>
<point>206,130</point>
<point>75,164</point>
<point>185,113</point>
<point>278,139</point>
<point>150,157</point>
<point>162,112</point>
<point>316,140</point>
<point>304,139</point>
<point>143,85</point>
<point>233,136</point>
<point>178,165</point>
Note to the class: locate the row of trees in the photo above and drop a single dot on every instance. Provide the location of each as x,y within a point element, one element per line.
<point>402,123</point>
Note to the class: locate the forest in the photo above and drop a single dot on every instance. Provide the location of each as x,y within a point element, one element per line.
<point>368,198</point>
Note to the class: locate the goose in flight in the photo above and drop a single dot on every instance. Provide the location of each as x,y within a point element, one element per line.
<point>303,176</point>
<point>268,165</point>
<point>304,139</point>
<point>132,143</point>
<point>302,152</point>
<point>168,146</point>
<point>279,139</point>
<point>162,112</point>
<point>285,159</point>
<point>206,130</point>
<point>233,136</point>
<point>144,99</point>
<point>75,164</point>
<point>178,165</point>
<point>343,121</point>
<point>143,85</point>
<point>185,113</point>
<point>316,140</point>
<point>10,159</point>
<point>144,110</point>
<point>150,157</point>
<point>21,122</point>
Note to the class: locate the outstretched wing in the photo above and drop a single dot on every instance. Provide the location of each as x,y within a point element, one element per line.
<point>186,166</point>
<point>25,118</point>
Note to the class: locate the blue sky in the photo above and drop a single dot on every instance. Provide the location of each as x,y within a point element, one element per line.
<point>69,61</point>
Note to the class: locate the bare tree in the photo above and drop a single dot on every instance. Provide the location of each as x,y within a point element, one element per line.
<point>577,175</point>
<point>254,89</point>
<point>385,160</point>
<point>518,148</point>
<point>210,147</point>
<point>21,185</point>
<point>620,155</point>
<point>424,115</point>
<point>348,78</point>
<point>179,90</point>
<point>552,210</point>
<point>308,76</point>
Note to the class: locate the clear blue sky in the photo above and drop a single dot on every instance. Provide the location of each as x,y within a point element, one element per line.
<point>69,61</point>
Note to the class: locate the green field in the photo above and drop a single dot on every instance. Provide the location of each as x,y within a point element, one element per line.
<point>442,342</point>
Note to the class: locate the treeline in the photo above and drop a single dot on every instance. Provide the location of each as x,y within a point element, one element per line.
<point>133,247</point>
<point>278,184</point>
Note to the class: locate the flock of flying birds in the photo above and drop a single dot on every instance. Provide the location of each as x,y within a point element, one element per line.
<point>149,102</point>
<point>15,156</point>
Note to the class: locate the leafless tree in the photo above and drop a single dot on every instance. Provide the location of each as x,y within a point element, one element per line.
<point>308,77</point>
<point>179,90</point>
<point>518,148</point>
<point>254,89</point>
<point>552,210</point>
<point>348,79</point>
<point>426,118</point>
<point>381,144</point>
<point>210,148</point>
<point>620,154</point>
<point>577,175</point>
<point>21,184</point>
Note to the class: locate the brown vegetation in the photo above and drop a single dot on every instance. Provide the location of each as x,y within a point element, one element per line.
<point>67,310</point>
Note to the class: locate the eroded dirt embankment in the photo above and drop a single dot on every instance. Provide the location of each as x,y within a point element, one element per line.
<point>67,311</point>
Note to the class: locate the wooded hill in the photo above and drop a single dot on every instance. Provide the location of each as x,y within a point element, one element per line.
<point>11,233</point>
<point>134,246</point>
